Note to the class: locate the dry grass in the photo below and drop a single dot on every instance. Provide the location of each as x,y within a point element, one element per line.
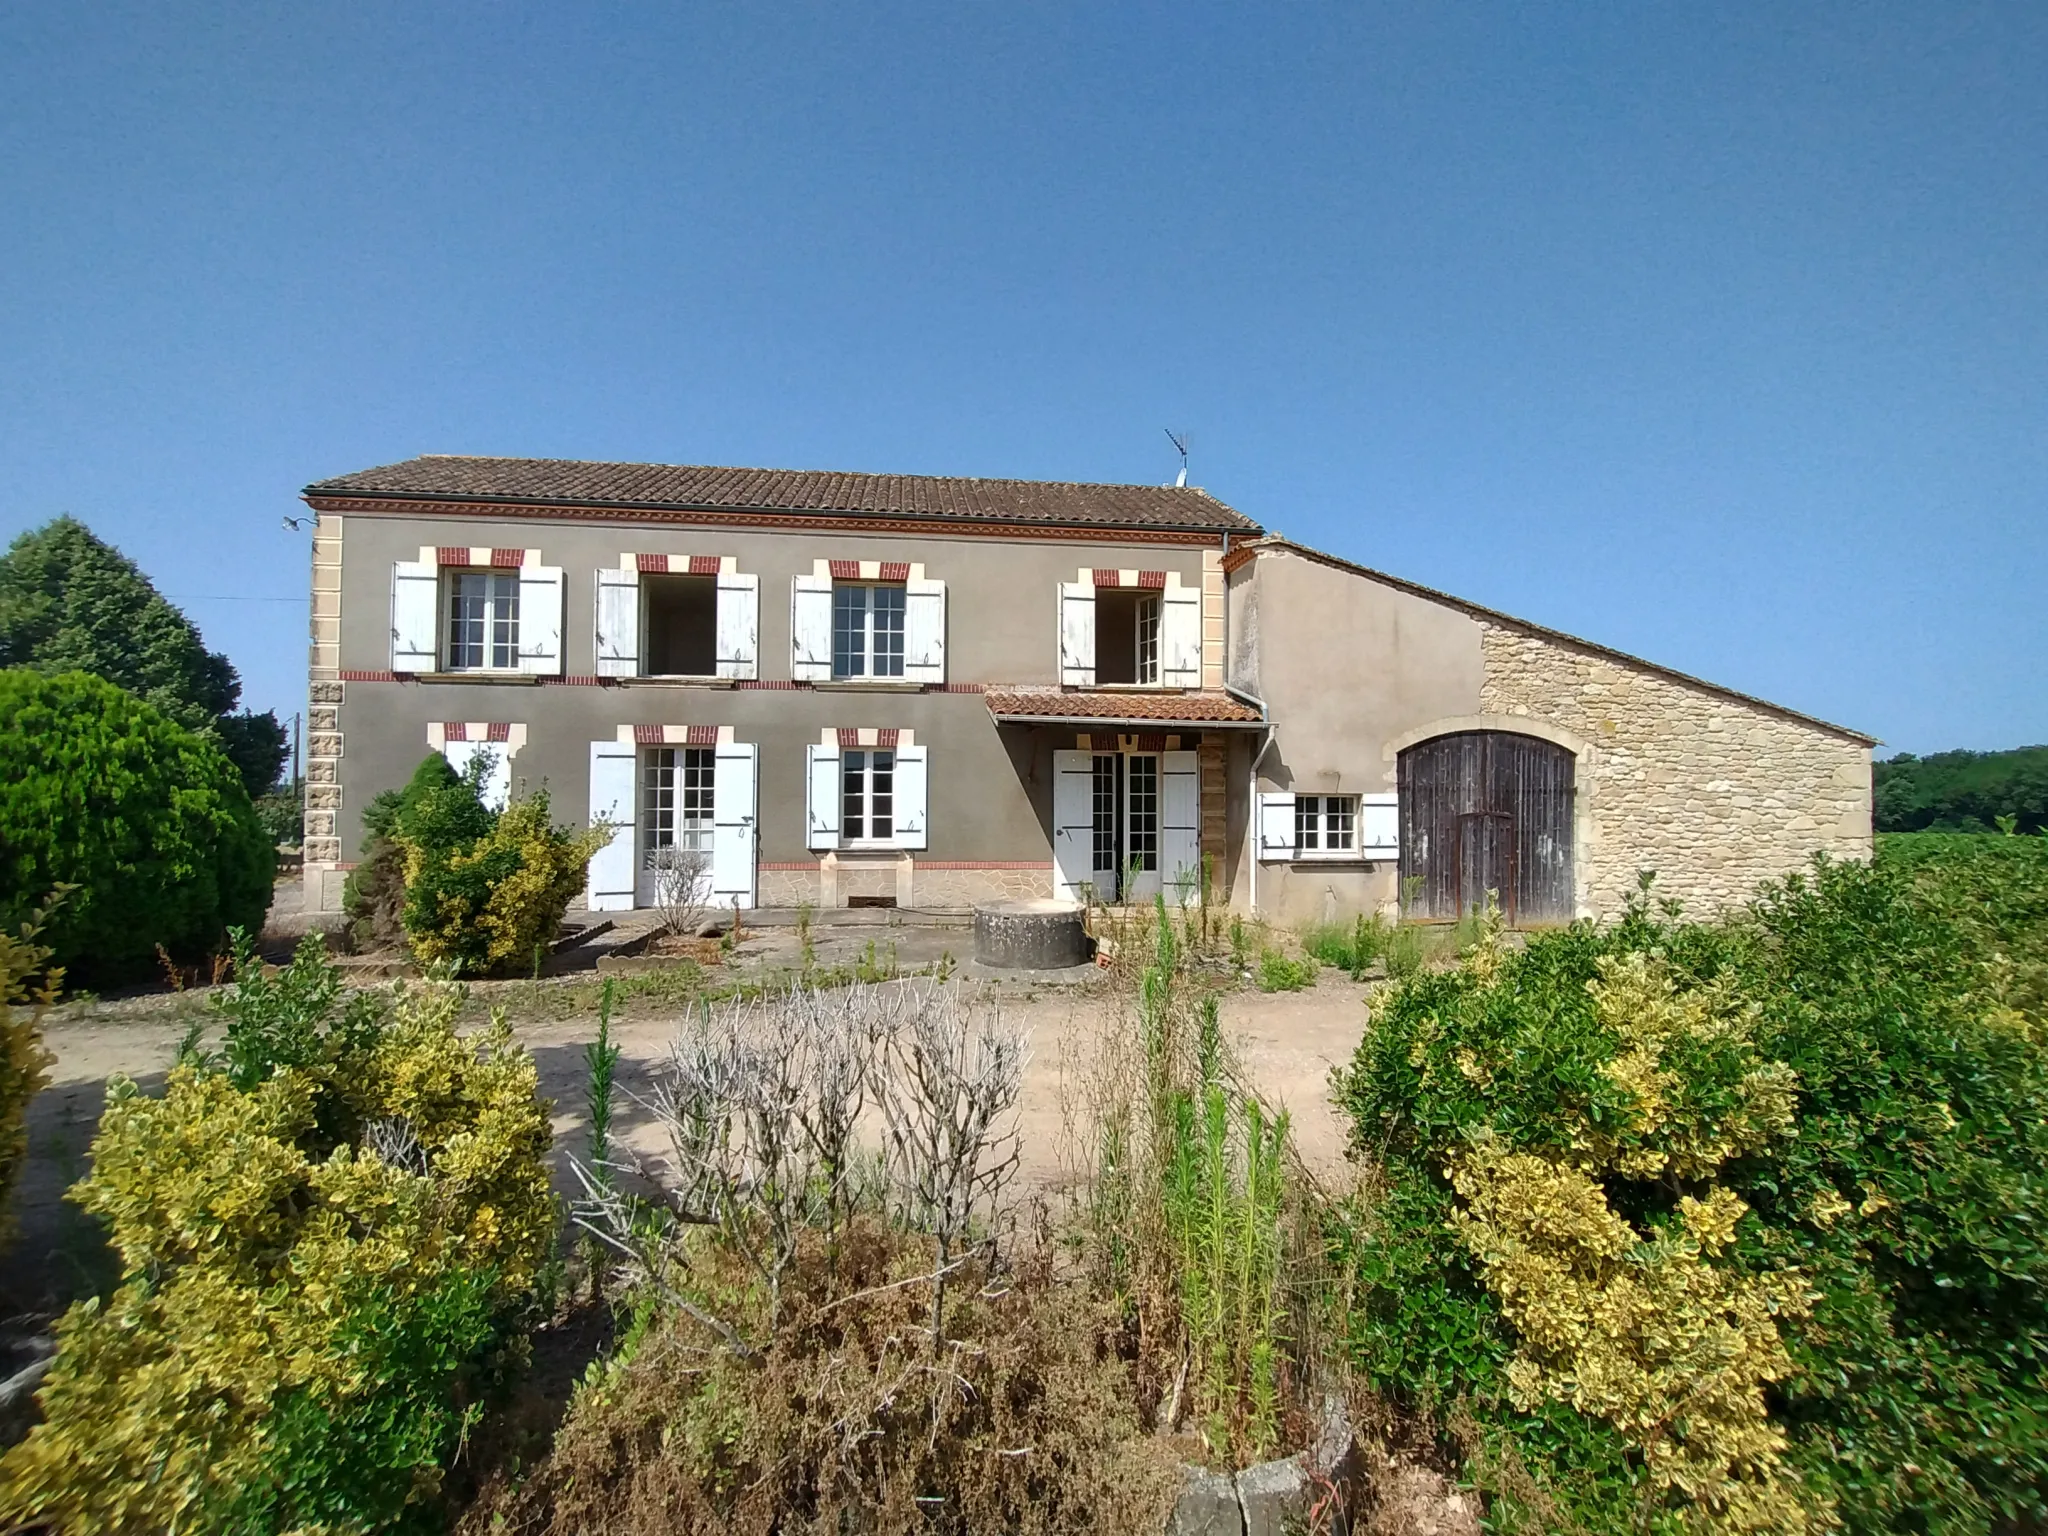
<point>849,1421</point>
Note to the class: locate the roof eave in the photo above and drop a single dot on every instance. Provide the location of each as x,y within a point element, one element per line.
<point>313,495</point>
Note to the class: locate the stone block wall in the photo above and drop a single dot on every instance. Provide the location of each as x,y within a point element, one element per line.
<point>1712,792</point>
<point>944,890</point>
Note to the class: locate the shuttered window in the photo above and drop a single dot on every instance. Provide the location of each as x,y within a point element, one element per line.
<point>483,620</point>
<point>867,630</point>
<point>867,802</point>
<point>1325,824</point>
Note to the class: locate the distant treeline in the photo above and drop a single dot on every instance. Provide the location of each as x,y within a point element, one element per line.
<point>1962,791</point>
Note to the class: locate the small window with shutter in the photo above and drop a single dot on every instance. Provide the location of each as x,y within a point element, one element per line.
<point>483,621</point>
<point>867,630</point>
<point>1325,826</point>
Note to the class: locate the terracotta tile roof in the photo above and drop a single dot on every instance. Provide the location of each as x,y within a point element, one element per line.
<point>570,482</point>
<point>1108,708</point>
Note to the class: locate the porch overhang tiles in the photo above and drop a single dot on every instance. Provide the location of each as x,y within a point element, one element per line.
<point>1052,706</point>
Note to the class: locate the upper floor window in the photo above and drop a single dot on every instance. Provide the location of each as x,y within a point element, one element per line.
<point>1131,629</point>
<point>483,621</point>
<point>1127,637</point>
<point>661,615</point>
<point>867,630</point>
<point>458,609</point>
<point>867,620</point>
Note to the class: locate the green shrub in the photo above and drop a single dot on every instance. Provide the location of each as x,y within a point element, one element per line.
<point>282,818</point>
<point>373,897</point>
<point>324,1234</point>
<point>28,986</point>
<point>148,821</point>
<point>1725,1227</point>
<point>485,889</point>
<point>1277,973</point>
<point>1992,887</point>
<point>1354,948</point>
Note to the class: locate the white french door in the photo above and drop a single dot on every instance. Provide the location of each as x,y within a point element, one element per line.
<point>676,817</point>
<point>1126,825</point>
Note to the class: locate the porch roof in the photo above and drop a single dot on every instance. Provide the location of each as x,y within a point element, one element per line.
<point>1065,706</point>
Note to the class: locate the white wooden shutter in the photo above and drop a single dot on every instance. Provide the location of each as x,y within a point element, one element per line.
<point>821,807</point>
<point>733,824</point>
<point>415,612</point>
<point>1180,637</point>
<point>1077,635</point>
<point>810,632</point>
<point>739,625</point>
<point>1379,826</point>
<point>618,623</point>
<point>497,780</point>
<point>913,796</point>
<point>1180,825</point>
<point>924,632</point>
<point>1073,823</point>
<point>540,619</point>
<point>1276,827</point>
<point>613,774</point>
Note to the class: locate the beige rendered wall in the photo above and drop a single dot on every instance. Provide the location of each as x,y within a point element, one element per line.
<point>990,787</point>
<point>1344,665</point>
<point>1713,793</point>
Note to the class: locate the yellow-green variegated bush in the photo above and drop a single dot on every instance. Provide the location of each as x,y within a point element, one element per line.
<point>28,986</point>
<point>1730,1227</point>
<point>324,1234</point>
<point>485,890</point>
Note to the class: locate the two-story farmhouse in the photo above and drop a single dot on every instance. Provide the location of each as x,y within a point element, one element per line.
<point>851,689</point>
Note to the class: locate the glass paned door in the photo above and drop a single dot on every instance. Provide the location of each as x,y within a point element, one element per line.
<point>1125,816</point>
<point>1141,826</point>
<point>675,817</point>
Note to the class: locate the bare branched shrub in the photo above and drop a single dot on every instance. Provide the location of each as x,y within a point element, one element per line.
<point>762,1104</point>
<point>393,1142</point>
<point>955,1072</point>
<point>682,889</point>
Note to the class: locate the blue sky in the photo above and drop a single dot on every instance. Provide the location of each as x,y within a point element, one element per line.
<point>1720,336</point>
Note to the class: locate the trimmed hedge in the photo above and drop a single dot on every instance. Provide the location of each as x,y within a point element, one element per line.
<point>148,822</point>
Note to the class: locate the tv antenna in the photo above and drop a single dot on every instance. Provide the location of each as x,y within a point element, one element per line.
<point>1180,446</point>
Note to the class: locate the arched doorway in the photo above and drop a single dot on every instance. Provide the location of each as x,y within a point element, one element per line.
<point>1486,811</point>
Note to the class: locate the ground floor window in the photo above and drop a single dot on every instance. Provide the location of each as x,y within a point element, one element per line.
<point>1325,823</point>
<point>676,800</point>
<point>867,807</point>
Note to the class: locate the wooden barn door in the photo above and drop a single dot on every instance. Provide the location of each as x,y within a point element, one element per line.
<point>1486,811</point>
